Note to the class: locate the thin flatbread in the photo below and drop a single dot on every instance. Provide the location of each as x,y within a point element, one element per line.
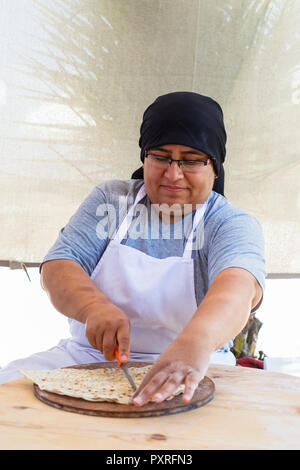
<point>103,384</point>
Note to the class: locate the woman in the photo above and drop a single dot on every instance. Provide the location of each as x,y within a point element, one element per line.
<point>164,266</point>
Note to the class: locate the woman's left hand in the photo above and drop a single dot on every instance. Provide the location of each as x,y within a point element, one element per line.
<point>183,362</point>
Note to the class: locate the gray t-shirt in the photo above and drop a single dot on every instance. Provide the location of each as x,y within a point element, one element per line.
<point>228,236</point>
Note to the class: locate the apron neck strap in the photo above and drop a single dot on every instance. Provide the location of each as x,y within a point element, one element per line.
<point>196,236</point>
<point>120,234</point>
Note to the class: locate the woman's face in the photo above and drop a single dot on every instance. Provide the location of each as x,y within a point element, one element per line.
<point>173,186</point>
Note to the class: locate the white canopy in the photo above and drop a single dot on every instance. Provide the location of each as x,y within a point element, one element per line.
<point>77,75</point>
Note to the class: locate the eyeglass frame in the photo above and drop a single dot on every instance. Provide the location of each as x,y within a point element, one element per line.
<point>180,162</point>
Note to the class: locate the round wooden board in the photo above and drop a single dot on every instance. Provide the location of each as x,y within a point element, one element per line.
<point>203,394</point>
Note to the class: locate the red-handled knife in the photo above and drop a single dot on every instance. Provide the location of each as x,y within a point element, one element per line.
<point>124,367</point>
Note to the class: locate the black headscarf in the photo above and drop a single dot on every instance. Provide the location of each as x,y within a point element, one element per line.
<point>186,118</point>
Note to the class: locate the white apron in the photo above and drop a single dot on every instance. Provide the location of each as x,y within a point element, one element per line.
<point>158,296</point>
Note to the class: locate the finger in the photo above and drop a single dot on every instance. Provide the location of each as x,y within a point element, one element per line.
<point>91,340</point>
<point>154,373</point>
<point>191,383</point>
<point>169,386</point>
<point>95,341</point>
<point>143,384</point>
<point>155,369</point>
<point>145,392</point>
<point>109,345</point>
<point>98,340</point>
<point>123,338</point>
<point>90,336</point>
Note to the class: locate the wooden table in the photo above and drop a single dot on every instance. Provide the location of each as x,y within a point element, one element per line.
<point>252,409</point>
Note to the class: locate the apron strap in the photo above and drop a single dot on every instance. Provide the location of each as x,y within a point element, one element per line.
<point>120,234</point>
<point>198,223</point>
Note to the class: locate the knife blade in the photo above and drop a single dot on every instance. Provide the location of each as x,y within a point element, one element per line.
<point>124,368</point>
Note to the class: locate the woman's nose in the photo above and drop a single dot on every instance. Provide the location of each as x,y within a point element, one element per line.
<point>174,172</point>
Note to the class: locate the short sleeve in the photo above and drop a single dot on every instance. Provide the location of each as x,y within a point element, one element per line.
<point>237,242</point>
<point>79,240</point>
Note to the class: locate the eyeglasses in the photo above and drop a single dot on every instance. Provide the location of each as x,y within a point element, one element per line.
<point>187,166</point>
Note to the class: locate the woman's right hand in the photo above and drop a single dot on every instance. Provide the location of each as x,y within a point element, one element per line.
<point>106,326</point>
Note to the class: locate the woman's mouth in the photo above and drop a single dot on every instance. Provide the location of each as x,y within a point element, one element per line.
<point>173,189</point>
